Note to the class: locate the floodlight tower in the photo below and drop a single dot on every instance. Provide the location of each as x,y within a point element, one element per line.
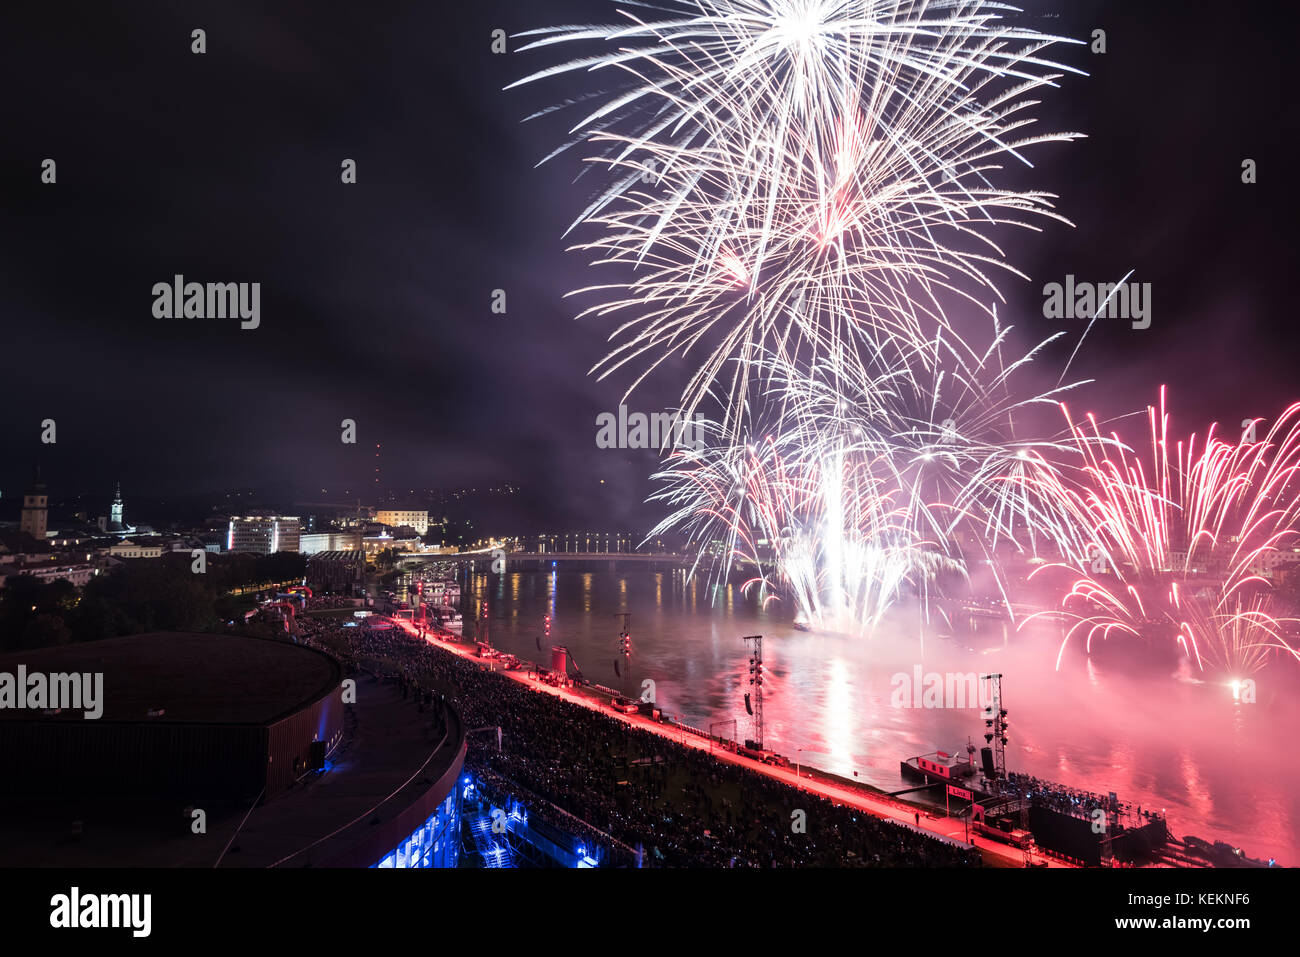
<point>995,726</point>
<point>756,682</point>
<point>625,646</point>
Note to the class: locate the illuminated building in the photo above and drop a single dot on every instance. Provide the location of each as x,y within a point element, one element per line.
<point>263,534</point>
<point>115,523</point>
<point>35,510</point>
<point>136,550</point>
<point>416,518</point>
<point>313,543</point>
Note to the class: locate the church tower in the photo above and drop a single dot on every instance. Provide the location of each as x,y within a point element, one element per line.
<point>115,515</point>
<point>35,515</point>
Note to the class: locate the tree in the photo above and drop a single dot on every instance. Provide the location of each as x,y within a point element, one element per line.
<point>46,631</point>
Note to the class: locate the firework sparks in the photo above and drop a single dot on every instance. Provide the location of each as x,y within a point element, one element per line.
<point>800,177</point>
<point>852,499</point>
<point>1183,542</point>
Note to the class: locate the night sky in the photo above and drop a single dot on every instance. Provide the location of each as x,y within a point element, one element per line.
<point>225,167</point>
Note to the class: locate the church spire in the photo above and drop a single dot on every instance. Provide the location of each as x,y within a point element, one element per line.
<point>115,515</point>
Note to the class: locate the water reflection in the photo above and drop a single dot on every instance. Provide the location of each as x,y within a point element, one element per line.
<point>1223,769</point>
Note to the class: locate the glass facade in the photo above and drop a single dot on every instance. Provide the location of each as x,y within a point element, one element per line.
<point>435,843</point>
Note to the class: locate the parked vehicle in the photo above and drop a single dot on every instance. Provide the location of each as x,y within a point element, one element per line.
<point>625,706</point>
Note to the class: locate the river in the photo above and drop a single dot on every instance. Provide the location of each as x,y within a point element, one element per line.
<point>1219,768</point>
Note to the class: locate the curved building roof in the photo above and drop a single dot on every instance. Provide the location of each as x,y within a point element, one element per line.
<point>193,678</point>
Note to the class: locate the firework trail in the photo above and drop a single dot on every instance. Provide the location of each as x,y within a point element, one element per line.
<point>1182,541</point>
<point>850,500</point>
<point>794,193</point>
<point>796,177</point>
<point>824,531</point>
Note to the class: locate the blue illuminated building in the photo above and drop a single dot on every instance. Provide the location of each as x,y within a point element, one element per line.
<point>435,843</point>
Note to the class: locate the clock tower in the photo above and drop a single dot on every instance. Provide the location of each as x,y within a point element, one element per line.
<point>35,514</point>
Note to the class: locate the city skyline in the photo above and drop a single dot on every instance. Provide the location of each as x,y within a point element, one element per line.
<point>377,307</point>
<point>670,435</point>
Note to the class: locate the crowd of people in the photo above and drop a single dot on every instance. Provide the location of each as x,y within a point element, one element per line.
<point>500,791</point>
<point>326,602</point>
<point>1075,802</point>
<point>1056,796</point>
<point>679,806</point>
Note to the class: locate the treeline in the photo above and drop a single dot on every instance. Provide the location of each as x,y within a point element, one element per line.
<point>140,595</point>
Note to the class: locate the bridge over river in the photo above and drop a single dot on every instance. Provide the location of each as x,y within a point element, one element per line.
<point>487,557</point>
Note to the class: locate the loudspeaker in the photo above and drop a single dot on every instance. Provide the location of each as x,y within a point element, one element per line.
<point>316,759</point>
<point>986,758</point>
